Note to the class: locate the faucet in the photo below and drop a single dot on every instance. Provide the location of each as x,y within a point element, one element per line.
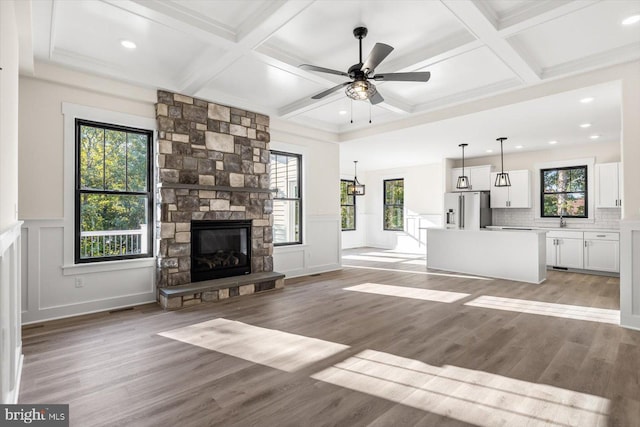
<point>563,223</point>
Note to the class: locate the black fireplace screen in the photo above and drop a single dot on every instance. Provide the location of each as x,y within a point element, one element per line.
<point>220,249</point>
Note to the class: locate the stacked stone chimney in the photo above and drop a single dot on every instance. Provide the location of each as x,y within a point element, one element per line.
<point>213,164</point>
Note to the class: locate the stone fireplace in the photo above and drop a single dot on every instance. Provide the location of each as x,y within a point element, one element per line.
<point>213,165</point>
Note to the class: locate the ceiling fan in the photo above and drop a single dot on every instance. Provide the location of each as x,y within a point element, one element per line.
<point>360,88</point>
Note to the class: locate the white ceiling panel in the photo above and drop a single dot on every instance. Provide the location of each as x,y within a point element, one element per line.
<point>87,34</point>
<point>266,85</point>
<point>593,30</point>
<point>228,14</point>
<point>472,70</point>
<point>323,34</point>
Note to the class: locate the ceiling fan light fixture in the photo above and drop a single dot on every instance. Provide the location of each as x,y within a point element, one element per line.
<point>360,90</point>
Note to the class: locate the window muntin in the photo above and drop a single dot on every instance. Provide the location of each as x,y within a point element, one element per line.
<point>114,193</point>
<point>564,192</point>
<point>286,180</point>
<point>347,206</point>
<point>393,209</point>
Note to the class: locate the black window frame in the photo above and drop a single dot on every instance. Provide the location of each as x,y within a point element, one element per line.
<point>79,191</point>
<point>385,205</point>
<point>586,192</point>
<point>352,197</point>
<point>299,198</point>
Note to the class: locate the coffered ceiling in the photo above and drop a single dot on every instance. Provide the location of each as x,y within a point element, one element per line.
<point>246,53</point>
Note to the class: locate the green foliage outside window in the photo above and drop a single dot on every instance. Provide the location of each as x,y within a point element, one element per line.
<point>564,192</point>
<point>113,190</point>
<point>394,204</point>
<point>347,206</point>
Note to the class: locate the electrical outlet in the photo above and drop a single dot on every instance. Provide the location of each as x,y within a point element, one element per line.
<point>79,282</point>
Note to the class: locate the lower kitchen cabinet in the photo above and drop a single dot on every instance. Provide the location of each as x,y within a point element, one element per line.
<point>565,249</point>
<point>602,251</point>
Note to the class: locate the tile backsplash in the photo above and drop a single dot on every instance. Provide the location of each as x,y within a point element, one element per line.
<point>604,219</point>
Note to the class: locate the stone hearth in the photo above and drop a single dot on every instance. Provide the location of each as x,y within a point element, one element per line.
<point>213,164</point>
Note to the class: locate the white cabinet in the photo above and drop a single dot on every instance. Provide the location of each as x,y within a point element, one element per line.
<point>518,195</point>
<point>479,177</point>
<point>602,251</point>
<point>565,249</point>
<point>608,185</point>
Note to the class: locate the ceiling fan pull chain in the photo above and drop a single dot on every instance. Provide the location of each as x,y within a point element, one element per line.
<point>369,113</point>
<point>352,111</point>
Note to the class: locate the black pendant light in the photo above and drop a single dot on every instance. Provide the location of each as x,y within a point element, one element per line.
<point>355,189</point>
<point>463,180</point>
<point>502,179</point>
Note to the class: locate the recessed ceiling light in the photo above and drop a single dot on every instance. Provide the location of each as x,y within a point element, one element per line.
<point>519,146</point>
<point>594,136</point>
<point>586,100</point>
<point>342,112</point>
<point>128,44</point>
<point>489,151</point>
<point>585,125</point>
<point>631,20</point>
<point>553,142</point>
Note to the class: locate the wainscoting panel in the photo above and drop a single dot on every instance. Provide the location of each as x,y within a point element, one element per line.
<point>319,253</point>
<point>10,324</point>
<point>630,274</point>
<point>52,290</point>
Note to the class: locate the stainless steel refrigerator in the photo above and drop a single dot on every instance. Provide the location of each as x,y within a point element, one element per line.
<point>467,210</point>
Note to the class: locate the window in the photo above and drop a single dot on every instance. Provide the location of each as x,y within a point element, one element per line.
<point>347,206</point>
<point>564,192</point>
<point>113,192</point>
<point>394,204</point>
<point>286,179</point>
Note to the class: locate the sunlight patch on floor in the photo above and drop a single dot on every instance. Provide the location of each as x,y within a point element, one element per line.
<point>408,292</point>
<point>370,258</point>
<point>420,262</point>
<point>393,255</point>
<point>425,273</point>
<point>548,309</point>
<point>276,349</point>
<point>471,396</point>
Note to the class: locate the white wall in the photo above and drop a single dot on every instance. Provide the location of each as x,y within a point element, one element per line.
<point>52,286</point>
<point>320,248</point>
<point>423,188</point>
<point>10,325</point>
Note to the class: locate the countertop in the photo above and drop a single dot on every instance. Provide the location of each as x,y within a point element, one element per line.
<point>522,227</point>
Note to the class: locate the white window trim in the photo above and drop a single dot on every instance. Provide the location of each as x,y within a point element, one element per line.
<point>71,112</point>
<point>591,205</point>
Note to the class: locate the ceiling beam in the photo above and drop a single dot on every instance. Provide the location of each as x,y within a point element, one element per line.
<point>539,14</point>
<point>479,24</point>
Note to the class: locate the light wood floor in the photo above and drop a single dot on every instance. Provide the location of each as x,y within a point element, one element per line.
<point>447,363</point>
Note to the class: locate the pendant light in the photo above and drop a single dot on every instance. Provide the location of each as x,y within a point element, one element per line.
<point>502,179</point>
<point>463,180</point>
<point>355,189</point>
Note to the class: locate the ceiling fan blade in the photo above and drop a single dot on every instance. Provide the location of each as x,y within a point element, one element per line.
<point>310,67</point>
<point>377,55</point>
<point>329,91</point>
<point>376,98</point>
<point>403,77</point>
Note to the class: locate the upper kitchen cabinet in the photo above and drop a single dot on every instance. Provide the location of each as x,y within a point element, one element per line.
<point>518,195</point>
<point>479,178</point>
<point>608,185</point>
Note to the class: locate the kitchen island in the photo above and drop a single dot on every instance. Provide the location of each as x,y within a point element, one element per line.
<point>518,255</point>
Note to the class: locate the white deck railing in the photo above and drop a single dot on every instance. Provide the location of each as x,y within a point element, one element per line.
<point>94,244</point>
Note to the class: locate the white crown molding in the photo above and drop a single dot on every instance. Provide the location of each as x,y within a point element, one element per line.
<point>622,54</point>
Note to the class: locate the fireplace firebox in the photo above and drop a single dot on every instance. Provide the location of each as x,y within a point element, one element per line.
<point>220,249</point>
